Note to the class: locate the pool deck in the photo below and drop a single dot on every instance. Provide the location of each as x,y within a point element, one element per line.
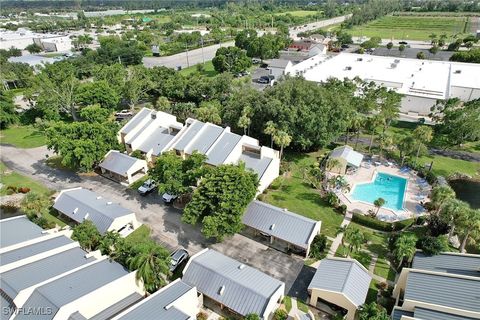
<point>366,174</point>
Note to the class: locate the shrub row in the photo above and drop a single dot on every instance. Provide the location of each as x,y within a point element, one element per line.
<point>381,225</point>
<point>13,189</point>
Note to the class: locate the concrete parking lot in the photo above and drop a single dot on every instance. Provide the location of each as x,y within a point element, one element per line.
<point>164,221</point>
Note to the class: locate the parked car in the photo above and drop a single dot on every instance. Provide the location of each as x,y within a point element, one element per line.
<point>124,114</point>
<point>256,60</point>
<point>169,198</point>
<point>264,80</point>
<point>403,42</point>
<point>345,46</point>
<point>147,187</point>
<point>177,257</point>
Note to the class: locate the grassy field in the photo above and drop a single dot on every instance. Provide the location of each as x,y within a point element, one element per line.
<point>295,195</point>
<point>383,269</point>
<point>22,137</point>
<point>411,27</point>
<point>298,13</point>
<point>445,166</point>
<point>11,178</point>
<point>207,71</point>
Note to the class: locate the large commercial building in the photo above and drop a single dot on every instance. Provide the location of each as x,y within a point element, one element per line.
<point>440,287</point>
<point>421,82</point>
<point>154,132</point>
<point>22,38</point>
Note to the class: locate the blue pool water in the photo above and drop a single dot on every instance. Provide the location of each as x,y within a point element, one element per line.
<point>390,188</point>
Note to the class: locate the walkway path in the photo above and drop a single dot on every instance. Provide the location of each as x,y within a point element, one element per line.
<point>338,240</point>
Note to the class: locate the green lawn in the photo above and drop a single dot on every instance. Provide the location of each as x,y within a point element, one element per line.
<point>383,269</point>
<point>299,13</point>
<point>11,178</point>
<point>372,292</point>
<point>377,242</point>
<point>410,27</point>
<point>302,306</point>
<point>207,71</point>
<point>446,166</point>
<point>50,217</point>
<point>287,301</point>
<point>295,195</point>
<point>22,137</point>
<point>141,234</point>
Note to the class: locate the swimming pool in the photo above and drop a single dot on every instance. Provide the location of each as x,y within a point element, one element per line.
<point>389,187</point>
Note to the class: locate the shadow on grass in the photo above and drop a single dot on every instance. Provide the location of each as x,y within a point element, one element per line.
<point>378,249</point>
<point>363,257</point>
<point>313,198</point>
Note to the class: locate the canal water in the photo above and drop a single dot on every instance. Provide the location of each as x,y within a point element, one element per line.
<point>467,190</point>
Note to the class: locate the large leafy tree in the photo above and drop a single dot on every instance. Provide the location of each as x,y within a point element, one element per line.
<point>35,204</point>
<point>97,92</point>
<point>231,59</point>
<point>82,145</point>
<point>115,50</point>
<point>87,235</point>
<point>220,200</point>
<point>440,195</point>
<point>94,113</point>
<point>177,176</point>
<point>422,136</point>
<point>404,247</point>
<point>469,227</point>
<point>459,121</point>
<point>456,212</point>
<point>55,86</point>
<point>137,84</point>
<point>152,264</point>
<point>354,237</point>
<point>8,115</point>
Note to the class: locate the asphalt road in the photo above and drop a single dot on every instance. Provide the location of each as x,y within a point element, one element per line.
<point>164,221</point>
<point>180,59</point>
<point>294,31</point>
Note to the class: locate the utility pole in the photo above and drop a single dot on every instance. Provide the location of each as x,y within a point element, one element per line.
<point>186,47</point>
<point>203,57</point>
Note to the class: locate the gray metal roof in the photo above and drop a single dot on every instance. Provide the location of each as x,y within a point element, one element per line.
<point>428,314</point>
<point>444,290</point>
<point>398,313</point>
<point>118,162</point>
<point>77,316</point>
<point>13,231</point>
<point>188,135</point>
<point>154,306</point>
<point>33,249</point>
<point>71,287</point>
<point>344,276</point>
<point>255,163</point>
<point>77,203</point>
<point>245,289</point>
<point>225,145</point>
<point>205,139</point>
<point>15,280</point>
<point>156,141</point>
<point>118,307</point>
<point>463,264</point>
<point>347,153</point>
<point>135,121</point>
<point>279,223</point>
<point>278,63</point>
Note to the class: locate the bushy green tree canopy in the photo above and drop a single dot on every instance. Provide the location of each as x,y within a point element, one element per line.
<point>231,59</point>
<point>221,199</point>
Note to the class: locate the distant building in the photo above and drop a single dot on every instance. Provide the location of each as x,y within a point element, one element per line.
<point>421,82</point>
<point>22,38</point>
<point>233,286</point>
<point>341,282</point>
<point>81,204</point>
<point>443,286</point>
<point>346,157</point>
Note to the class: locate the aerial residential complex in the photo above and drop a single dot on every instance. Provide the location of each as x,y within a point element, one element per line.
<point>422,82</point>
<point>154,132</point>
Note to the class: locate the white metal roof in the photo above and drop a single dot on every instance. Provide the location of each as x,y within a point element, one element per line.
<point>347,153</point>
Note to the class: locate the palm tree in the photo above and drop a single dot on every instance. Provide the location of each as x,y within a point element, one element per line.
<point>270,129</point>
<point>371,124</point>
<point>406,146</point>
<point>378,204</point>
<point>405,247</point>
<point>433,38</point>
<point>152,265</point>
<point>340,230</point>
<point>455,211</point>
<point>440,195</point>
<point>282,139</point>
<point>385,142</point>
<point>355,239</point>
<point>470,226</point>
<point>422,135</point>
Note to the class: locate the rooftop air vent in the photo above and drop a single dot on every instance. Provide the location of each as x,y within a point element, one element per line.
<point>99,197</point>
<point>241,267</point>
<point>154,115</point>
<point>393,65</point>
<point>75,211</point>
<point>396,61</point>
<point>458,71</point>
<point>348,68</point>
<point>285,209</point>
<point>221,291</point>
<point>272,226</point>
<point>360,59</point>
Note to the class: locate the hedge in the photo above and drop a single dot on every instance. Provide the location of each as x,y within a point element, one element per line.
<point>381,225</point>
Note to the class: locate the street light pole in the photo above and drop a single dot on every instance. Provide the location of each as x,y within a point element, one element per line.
<point>203,57</point>
<point>186,47</point>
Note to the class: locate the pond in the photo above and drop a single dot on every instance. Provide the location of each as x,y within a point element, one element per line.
<point>467,190</point>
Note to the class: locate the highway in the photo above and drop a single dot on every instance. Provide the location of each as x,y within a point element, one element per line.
<point>180,59</point>
<point>294,31</point>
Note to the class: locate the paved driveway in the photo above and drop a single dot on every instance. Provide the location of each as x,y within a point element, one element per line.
<point>164,221</point>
